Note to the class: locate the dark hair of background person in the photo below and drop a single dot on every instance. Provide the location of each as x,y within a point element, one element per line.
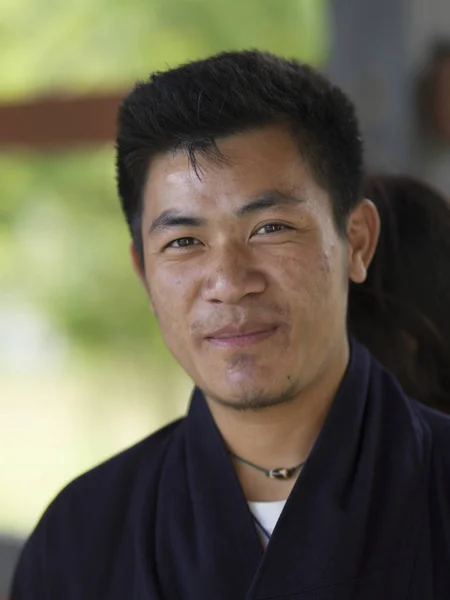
<point>402,311</point>
<point>190,107</point>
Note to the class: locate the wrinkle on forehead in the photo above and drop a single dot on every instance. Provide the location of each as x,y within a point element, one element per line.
<point>256,161</point>
<point>242,180</point>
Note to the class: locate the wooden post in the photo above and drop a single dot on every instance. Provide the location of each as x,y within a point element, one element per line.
<point>370,60</point>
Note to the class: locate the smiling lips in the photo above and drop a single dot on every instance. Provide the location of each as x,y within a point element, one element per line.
<point>239,337</point>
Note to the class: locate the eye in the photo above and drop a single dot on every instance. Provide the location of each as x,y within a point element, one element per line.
<point>272,228</point>
<point>184,242</point>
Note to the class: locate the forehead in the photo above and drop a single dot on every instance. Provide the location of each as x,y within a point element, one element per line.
<point>262,159</point>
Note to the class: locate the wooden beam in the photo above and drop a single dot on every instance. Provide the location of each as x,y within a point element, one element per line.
<point>55,122</point>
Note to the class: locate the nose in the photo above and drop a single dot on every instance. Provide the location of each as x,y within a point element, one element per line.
<point>231,276</point>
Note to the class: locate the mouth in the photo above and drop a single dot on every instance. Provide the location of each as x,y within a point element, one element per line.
<point>233,338</point>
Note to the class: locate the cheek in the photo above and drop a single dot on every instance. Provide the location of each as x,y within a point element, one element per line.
<point>314,281</point>
<point>310,270</point>
<point>171,292</point>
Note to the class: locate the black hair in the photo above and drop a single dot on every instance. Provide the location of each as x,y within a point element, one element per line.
<point>401,312</point>
<point>190,107</point>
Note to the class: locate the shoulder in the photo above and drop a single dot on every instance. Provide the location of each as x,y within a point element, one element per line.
<point>439,426</point>
<point>89,514</point>
<point>438,422</point>
<point>431,426</point>
<point>107,491</point>
<point>119,477</point>
<point>427,420</point>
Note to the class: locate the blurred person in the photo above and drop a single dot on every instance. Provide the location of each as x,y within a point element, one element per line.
<point>301,468</point>
<point>401,311</point>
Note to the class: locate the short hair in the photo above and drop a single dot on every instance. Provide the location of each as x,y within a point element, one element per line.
<point>401,311</point>
<point>190,107</point>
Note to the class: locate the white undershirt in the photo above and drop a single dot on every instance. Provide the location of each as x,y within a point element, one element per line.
<point>266,514</point>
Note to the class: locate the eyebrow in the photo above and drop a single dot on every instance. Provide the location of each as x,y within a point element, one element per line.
<point>170,219</point>
<point>270,199</point>
<point>267,200</point>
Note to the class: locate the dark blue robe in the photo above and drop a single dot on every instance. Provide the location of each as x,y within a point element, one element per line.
<point>368,518</point>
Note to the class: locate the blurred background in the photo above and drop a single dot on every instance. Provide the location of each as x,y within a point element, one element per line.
<point>83,370</point>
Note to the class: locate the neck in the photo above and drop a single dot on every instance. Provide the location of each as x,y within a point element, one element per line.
<point>277,436</point>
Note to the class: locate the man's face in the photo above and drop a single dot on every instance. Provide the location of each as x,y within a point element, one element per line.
<point>245,270</point>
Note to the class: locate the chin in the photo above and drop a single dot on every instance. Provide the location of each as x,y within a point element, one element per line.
<point>246,395</point>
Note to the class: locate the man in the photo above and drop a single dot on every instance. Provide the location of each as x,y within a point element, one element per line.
<point>240,178</point>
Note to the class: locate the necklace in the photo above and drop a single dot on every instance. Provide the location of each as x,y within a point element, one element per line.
<point>278,473</point>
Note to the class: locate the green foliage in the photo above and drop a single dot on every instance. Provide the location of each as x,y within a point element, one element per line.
<point>78,44</point>
<point>68,248</point>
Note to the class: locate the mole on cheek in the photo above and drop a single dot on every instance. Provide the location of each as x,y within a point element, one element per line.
<point>325,264</point>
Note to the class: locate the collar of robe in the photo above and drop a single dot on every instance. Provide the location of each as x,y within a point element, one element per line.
<point>350,527</point>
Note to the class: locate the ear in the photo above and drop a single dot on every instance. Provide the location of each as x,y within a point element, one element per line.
<point>139,269</point>
<point>363,230</point>
<point>135,261</point>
